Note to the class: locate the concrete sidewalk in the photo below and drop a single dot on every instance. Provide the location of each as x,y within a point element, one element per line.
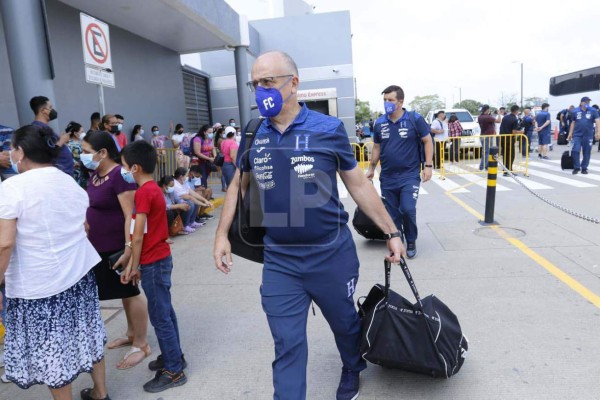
<point>531,336</point>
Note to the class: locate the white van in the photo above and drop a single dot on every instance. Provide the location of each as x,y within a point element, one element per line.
<point>470,128</point>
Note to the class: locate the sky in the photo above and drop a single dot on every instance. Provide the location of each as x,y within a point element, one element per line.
<point>436,47</point>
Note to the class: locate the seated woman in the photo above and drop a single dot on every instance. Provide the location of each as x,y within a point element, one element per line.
<point>195,200</point>
<point>167,184</point>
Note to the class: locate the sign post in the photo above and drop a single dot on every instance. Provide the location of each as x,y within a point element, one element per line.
<point>97,57</point>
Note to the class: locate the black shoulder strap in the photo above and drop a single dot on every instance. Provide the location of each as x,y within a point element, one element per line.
<point>251,130</point>
<point>413,121</point>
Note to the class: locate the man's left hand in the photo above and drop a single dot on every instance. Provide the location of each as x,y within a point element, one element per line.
<point>396,249</point>
<point>427,172</point>
<point>4,160</point>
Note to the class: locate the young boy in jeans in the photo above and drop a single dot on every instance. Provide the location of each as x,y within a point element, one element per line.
<point>151,261</point>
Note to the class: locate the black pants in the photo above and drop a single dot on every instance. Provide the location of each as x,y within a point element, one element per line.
<point>507,146</point>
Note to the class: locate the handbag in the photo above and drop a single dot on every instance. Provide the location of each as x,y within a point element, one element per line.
<point>219,160</point>
<point>246,232</point>
<point>112,260</point>
<point>424,337</point>
<point>176,226</point>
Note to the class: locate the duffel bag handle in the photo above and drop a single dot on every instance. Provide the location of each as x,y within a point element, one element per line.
<point>407,275</point>
<point>413,288</point>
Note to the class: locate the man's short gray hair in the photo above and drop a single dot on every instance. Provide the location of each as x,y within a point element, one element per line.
<point>289,61</point>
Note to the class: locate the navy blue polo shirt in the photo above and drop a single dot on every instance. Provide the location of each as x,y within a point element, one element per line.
<point>64,161</point>
<point>541,118</point>
<point>400,153</point>
<point>296,175</point>
<point>528,124</point>
<point>5,140</point>
<point>584,121</point>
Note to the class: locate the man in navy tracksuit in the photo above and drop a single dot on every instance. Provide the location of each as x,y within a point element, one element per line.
<point>582,132</point>
<point>399,136</point>
<point>309,251</point>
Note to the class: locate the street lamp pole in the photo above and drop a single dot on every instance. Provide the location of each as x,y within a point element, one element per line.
<point>459,95</point>
<point>521,85</point>
<point>520,62</point>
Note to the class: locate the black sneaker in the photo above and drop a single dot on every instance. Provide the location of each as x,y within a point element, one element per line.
<point>86,394</point>
<point>159,363</point>
<point>349,385</point>
<point>584,171</point>
<point>206,216</point>
<point>164,380</point>
<point>576,171</point>
<point>505,173</point>
<point>411,250</point>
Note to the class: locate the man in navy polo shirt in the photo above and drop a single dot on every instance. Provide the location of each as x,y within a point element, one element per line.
<point>44,113</point>
<point>582,132</point>
<point>6,170</point>
<point>309,253</point>
<point>399,137</point>
<point>543,120</point>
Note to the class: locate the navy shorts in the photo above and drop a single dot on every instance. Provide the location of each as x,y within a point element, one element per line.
<point>544,138</point>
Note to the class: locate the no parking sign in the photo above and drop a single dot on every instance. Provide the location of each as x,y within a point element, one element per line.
<point>97,57</point>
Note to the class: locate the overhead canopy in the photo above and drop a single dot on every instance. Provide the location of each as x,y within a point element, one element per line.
<point>184,26</point>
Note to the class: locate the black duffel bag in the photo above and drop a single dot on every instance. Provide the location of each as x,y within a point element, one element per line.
<point>365,226</point>
<point>246,232</point>
<point>424,337</point>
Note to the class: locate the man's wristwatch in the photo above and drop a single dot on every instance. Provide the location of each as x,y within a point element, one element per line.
<point>428,166</point>
<point>389,236</point>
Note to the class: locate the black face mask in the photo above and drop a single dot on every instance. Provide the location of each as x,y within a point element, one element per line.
<point>53,115</point>
<point>114,129</point>
<point>180,131</point>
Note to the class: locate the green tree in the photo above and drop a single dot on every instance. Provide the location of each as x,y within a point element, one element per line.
<point>362,111</point>
<point>534,101</point>
<point>472,106</point>
<point>424,104</point>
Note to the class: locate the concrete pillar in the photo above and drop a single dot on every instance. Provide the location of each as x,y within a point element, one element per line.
<point>28,54</point>
<point>241,77</point>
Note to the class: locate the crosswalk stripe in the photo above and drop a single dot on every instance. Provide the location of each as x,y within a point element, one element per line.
<point>561,179</point>
<point>557,162</point>
<point>533,185</point>
<point>478,180</point>
<point>448,184</point>
<point>553,168</point>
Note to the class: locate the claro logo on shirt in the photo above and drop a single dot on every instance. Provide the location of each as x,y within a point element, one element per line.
<point>385,131</point>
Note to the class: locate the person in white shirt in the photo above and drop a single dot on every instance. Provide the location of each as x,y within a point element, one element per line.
<point>195,201</point>
<point>499,116</point>
<point>54,330</point>
<point>439,128</point>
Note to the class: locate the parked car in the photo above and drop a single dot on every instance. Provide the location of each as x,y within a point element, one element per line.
<point>470,128</point>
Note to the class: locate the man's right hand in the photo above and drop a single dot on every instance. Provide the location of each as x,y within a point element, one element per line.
<point>4,160</point>
<point>222,249</point>
<point>185,206</point>
<point>370,173</point>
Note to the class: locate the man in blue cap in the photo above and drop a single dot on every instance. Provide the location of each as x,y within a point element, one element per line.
<point>582,133</point>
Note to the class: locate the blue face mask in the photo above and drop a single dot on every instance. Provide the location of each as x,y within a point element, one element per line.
<point>88,161</point>
<point>210,135</point>
<point>142,132</point>
<point>269,100</point>
<point>120,126</point>
<point>389,107</point>
<point>13,165</point>
<point>127,175</point>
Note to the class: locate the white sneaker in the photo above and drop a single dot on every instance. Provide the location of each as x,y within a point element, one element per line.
<point>4,379</point>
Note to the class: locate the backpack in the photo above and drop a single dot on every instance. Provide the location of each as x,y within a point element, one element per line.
<point>558,115</point>
<point>185,145</point>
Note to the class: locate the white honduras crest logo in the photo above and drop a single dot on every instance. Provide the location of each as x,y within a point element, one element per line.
<point>303,168</point>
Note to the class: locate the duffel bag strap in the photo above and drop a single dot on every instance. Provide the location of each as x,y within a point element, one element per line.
<point>413,288</point>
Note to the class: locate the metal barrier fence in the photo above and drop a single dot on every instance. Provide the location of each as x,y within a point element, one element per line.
<point>167,163</point>
<point>459,158</point>
<point>463,154</point>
